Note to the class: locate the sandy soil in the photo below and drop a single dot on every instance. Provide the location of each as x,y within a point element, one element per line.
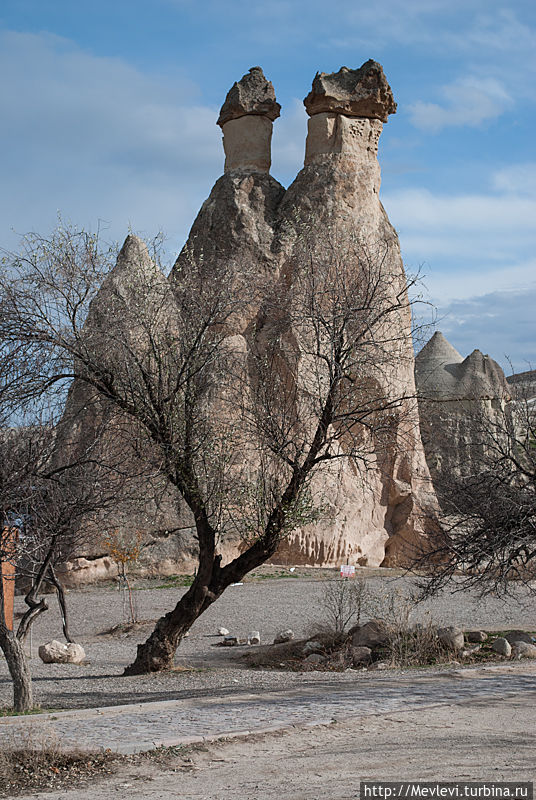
<point>487,740</point>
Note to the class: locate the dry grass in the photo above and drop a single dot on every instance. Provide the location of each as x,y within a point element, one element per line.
<point>31,762</point>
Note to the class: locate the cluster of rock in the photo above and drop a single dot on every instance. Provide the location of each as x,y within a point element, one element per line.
<point>461,400</point>
<point>373,645</point>
<point>374,518</point>
<point>514,644</point>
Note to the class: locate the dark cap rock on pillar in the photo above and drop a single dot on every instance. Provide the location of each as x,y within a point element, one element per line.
<point>246,119</point>
<point>347,109</point>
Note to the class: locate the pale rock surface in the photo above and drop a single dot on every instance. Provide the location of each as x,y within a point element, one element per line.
<point>523,650</point>
<point>250,224</point>
<point>382,515</point>
<point>458,400</point>
<point>135,298</point>
<point>55,652</point>
<point>246,119</point>
<point>502,647</point>
<point>451,637</point>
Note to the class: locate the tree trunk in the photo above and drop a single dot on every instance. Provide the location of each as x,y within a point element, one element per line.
<point>158,652</point>
<point>19,669</point>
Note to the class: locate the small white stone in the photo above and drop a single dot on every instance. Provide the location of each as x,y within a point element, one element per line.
<point>254,637</point>
<point>223,632</point>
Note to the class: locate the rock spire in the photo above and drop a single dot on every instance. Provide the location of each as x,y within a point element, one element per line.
<point>246,119</point>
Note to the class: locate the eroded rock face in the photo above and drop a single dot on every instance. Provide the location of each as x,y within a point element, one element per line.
<point>383,513</point>
<point>362,92</point>
<point>375,513</point>
<point>459,400</point>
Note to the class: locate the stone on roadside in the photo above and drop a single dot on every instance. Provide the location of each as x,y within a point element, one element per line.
<point>451,637</point>
<point>380,665</point>
<point>469,651</point>
<point>315,658</point>
<point>254,637</point>
<point>55,652</point>
<point>223,632</point>
<point>519,636</point>
<point>231,641</point>
<point>361,655</point>
<point>502,647</point>
<point>523,650</point>
<point>312,646</point>
<point>284,636</point>
<point>374,633</point>
<point>476,636</point>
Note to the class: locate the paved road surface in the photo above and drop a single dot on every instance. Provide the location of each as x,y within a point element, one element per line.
<point>135,728</point>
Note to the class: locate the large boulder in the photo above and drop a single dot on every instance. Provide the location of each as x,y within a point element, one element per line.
<point>55,652</point>
<point>502,647</point>
<point>372,634</point>
<point>523,650</point>
<point>451,637</point>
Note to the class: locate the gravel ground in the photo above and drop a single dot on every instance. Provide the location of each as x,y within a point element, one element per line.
<point>267,606</point>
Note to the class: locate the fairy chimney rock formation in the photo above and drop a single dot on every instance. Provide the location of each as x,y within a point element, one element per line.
<point>443,374</point>
<point>346,110</point>
<point>459,399</point>
<point>246,119</point>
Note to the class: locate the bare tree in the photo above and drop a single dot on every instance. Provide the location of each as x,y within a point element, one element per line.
<point>488,537</point>
<point>238,424</point>
<point>49,512</point>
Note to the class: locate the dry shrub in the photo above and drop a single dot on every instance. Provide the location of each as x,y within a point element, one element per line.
<point>410,644</point>
<point>34,761</point>
<point>343,602</point>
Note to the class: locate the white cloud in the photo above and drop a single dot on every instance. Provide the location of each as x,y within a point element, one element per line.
<point>469,235</point>
<point>501,324</point>
<point>468,102</point>
<point>516,179</point>
<point>92,136</point>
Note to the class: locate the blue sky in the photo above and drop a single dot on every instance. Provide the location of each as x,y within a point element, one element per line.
<point>109,111</point>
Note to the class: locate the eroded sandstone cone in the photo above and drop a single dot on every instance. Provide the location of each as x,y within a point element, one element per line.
<point>362,92</point>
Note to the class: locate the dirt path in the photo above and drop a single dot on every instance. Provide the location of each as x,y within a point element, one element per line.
<point>485,739</point>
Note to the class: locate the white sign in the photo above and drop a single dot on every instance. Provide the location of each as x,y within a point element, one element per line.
<point>347,571</point>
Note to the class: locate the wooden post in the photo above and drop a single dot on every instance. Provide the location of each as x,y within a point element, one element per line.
<point>7,571</point>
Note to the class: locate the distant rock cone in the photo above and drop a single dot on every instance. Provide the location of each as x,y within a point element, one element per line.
<point>461,401</point>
